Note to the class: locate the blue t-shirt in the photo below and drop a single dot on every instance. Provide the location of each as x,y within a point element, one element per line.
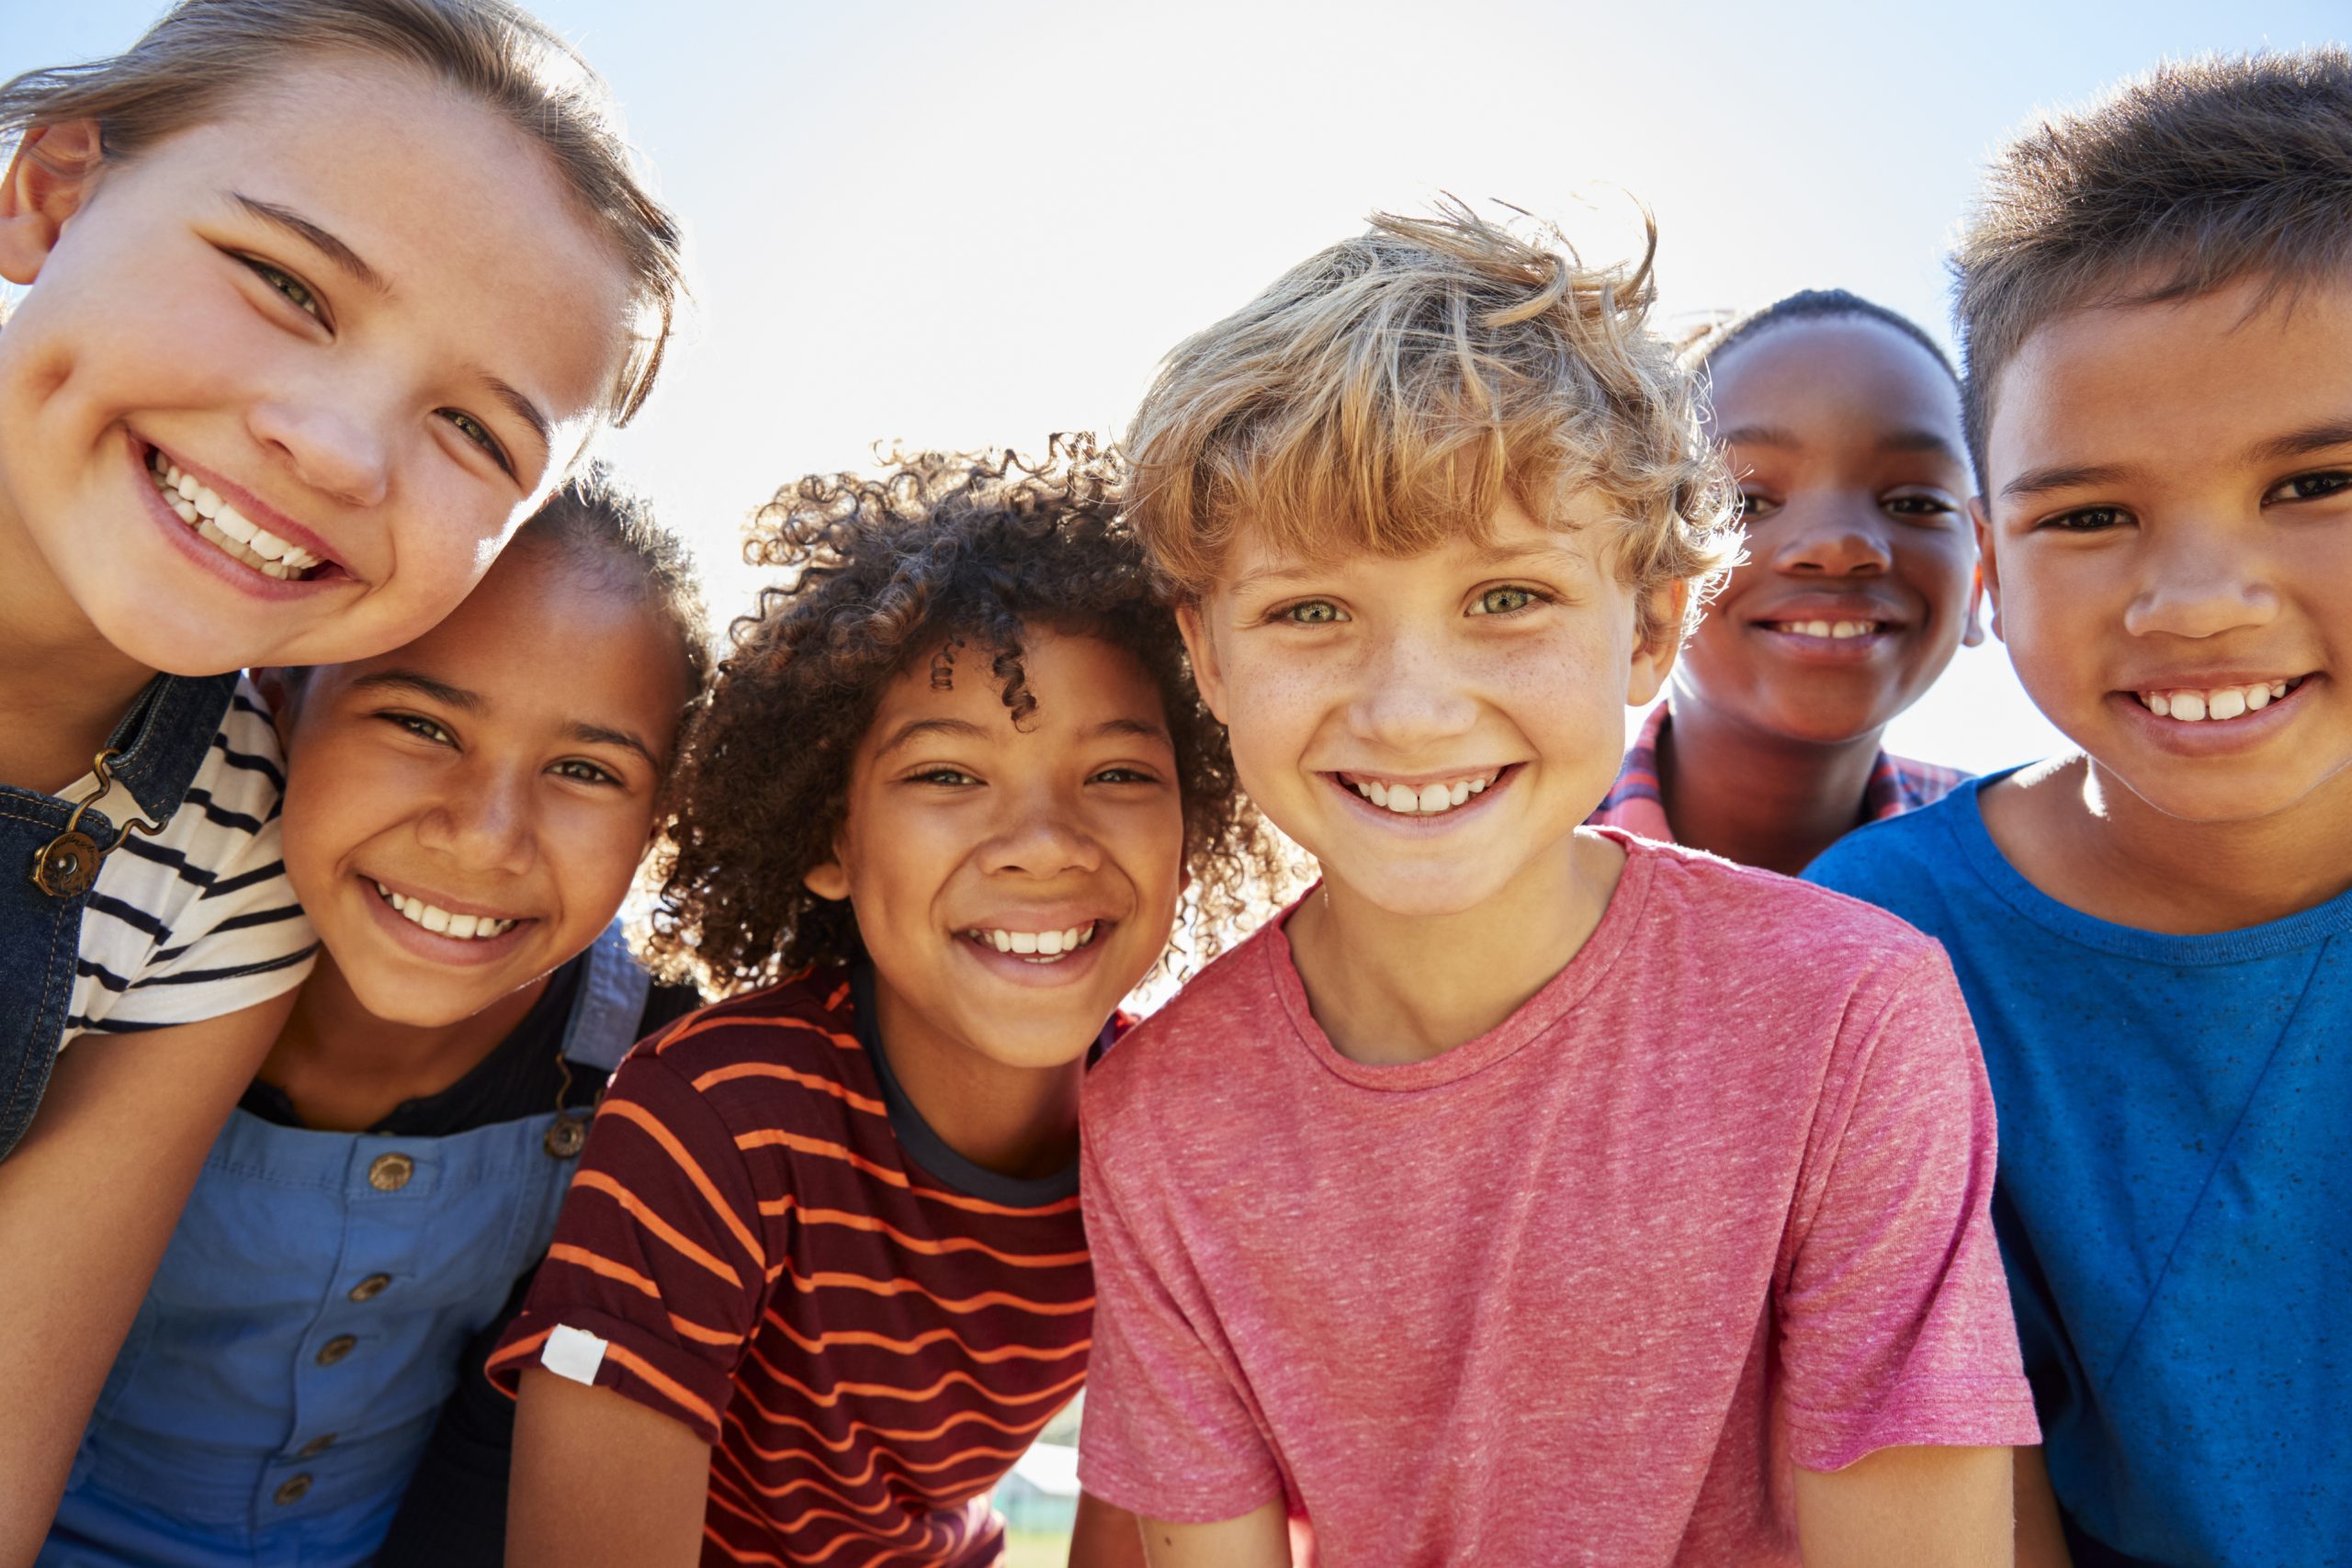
<point>2174,1201</point>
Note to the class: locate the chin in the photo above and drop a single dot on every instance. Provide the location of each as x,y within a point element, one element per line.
<point>393,999</point>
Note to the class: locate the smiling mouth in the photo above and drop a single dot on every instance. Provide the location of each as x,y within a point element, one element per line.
<point>1035,947</point>
<point>1835,631</point>
<point>440,921</point>
<point>2208,704</point>
<point>1432,799</point>
<point>225,528</point>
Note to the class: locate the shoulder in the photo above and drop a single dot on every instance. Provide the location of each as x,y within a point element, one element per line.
<point>753,1058</point>
<point>1190,1043</point>
<point>1881,859</point>
<point>1744,918</point>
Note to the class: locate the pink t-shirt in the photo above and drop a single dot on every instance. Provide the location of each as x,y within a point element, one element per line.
<point>1578,1291</point>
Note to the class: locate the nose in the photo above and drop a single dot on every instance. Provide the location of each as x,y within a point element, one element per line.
<point>1842,537</point>
<point>334,441</point>
<point>1411,694</point>
<point>481,820</point>
<point>1040,833</point>
<point>2200,582</point>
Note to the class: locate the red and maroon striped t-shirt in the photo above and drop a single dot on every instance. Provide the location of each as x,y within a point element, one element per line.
<point>779,1252</point>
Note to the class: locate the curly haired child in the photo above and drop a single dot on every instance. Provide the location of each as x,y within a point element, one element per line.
<point>822,1276</point>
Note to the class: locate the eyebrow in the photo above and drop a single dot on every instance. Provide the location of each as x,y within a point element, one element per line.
<point>915,728</point>
<point>1919,439</point>
<point>524,409</point>
<point>2038,481</point>
<point>598,735</point>
<point>422,685</point>
<point>2302,443</point>
<point>318,239</point>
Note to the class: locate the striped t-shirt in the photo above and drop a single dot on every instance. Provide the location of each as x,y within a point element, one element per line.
<point>767,1244</point>
<point>196,921</point>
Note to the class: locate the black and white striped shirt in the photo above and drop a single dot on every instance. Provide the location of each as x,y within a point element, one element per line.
<point>197,921</point>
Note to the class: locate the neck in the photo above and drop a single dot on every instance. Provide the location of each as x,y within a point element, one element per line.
<point>345,1069</point>
<point>1015,1120</point>
<point>62,686</point>
<point>1757,798</point>
<point>2075,832</point>
<point>1389,989</point>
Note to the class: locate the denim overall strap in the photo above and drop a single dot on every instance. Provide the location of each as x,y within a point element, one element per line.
<point>163,742</point>
<point>608,1005</point>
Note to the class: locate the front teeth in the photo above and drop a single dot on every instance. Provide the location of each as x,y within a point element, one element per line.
<point>1038,947</point>
<point>1421,800</point>
<point>440,922</point>
<point>2218,703</point>
<point>1836,629</point>
<point>223,525</point>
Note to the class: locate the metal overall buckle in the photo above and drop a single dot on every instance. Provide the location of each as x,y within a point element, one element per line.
<point>67,865</point>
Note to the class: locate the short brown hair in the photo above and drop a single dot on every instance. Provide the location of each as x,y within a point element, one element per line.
<point>954,550</point>
<point>2188,180</point>
<point>204,55</point>
<point>1388,393</point>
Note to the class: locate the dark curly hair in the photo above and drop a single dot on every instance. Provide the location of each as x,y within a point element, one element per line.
<point>941,550</point>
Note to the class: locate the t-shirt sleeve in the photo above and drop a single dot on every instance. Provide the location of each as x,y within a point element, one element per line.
<point>1169,1433</point>
<point>1895,1324</point>
<point>657,1274</point>
<point>198,921</point>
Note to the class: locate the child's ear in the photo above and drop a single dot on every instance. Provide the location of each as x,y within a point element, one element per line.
<point>827,881</point>
<point>1200,645</point>
<point>1988,576</point>
<point>1654,656</point>
<point>281,692</point>
<point>50,180</point>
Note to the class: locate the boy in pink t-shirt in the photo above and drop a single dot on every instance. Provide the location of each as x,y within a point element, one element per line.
<point>1522,1194</point>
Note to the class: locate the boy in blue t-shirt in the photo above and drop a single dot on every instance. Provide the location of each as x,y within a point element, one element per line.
<point>2155,300</point>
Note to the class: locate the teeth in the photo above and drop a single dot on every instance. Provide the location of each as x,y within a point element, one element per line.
<point>1038,947</point>
<point>2221,703</point>
<point>465,927</point>
<point>1424,800</point>
<point>223,525</point>
<point>1832,629</point>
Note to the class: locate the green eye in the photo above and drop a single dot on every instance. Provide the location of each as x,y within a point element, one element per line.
<point>478,433</point>
<point>1503,601</point>
<point>297,292</point>
<point>1312,613</point>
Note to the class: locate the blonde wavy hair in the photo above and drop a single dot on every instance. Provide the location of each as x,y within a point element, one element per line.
<point>1387,394</point>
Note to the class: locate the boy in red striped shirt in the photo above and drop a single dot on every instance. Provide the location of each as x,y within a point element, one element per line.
<point>822,1276</point>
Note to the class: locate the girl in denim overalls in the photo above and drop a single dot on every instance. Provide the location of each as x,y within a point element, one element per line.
<point>463,817</point>
<point>319,298</point>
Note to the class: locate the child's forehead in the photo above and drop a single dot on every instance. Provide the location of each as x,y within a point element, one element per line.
<point>2172,392</point>
<point>1065,680</point>
<point>1578,535</point>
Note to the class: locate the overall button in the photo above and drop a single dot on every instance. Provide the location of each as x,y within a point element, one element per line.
<point>367,1290</point>
<point>296,1488</point>
<point>316,1446</point>
<point>335,1350</point>
<point>389,1173</point>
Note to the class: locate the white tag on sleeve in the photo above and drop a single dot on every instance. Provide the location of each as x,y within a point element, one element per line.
<point>572,1353</point>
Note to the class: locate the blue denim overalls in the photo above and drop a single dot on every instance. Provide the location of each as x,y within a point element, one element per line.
<point>289,1362</point>
<point>163,742</point>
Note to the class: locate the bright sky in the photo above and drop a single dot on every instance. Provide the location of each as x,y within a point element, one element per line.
<point>975,224</point>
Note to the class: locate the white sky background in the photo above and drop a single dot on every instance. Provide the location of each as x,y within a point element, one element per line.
<point>975,224</point>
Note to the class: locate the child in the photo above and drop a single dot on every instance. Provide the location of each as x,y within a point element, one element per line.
<point>1523,1193</point>
<point>2155,304</point>
<point>463,815</point>
<point>822,1276</point>
<point>321,298</point>
<point>1842,420</point>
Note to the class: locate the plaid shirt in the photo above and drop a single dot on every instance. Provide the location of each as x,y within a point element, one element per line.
<point>1634,802</point>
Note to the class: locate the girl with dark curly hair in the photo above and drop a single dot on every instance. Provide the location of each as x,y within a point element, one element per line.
<point>953,789</point>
